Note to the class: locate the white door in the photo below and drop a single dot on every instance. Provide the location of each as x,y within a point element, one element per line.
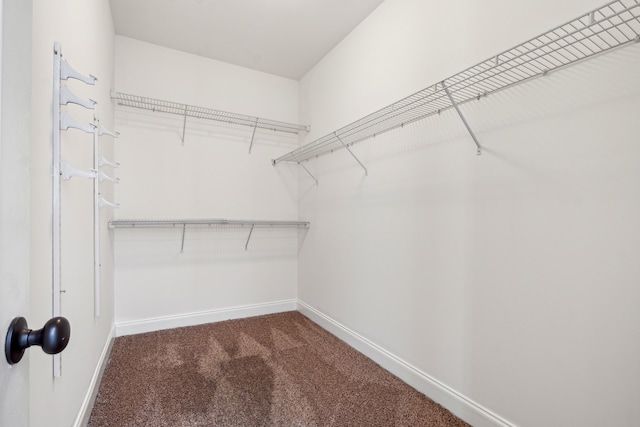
<point>15,101</point>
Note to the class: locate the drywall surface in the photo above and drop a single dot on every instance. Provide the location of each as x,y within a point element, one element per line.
<point>510,277</point>
<point>86,33</point>
<point>160,274</point>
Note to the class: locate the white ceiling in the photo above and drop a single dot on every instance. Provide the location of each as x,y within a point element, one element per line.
<point>282,37</point>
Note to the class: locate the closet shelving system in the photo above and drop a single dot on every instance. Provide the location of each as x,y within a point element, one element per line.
<point>186,111</point>
<point>613,25</point>
<point>63,120</point>
<point>184,223</point>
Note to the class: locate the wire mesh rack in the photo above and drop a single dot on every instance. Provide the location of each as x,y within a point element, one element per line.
<point>184,110</point>
<point>169,223</point>
<point>183,224</point>
<point>611,26</point>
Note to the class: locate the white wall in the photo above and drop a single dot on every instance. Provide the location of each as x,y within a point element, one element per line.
<point>85,31</point>
<point>211,176</point>
<point>510,278</point>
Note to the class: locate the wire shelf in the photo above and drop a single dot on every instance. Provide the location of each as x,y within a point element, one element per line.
<point>611,26</point>
<point>184,110</point>
<point>169,223</point>
<point>206,223</point>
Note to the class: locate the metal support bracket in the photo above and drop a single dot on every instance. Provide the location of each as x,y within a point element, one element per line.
<point>253,135</point>
<point>246,245</point>
<point>184,123</point>
<point>352,155</point>
<point>68,172</point>
<point>184,230</point>
<point>67,72</point>
<point>104,203</point>
<point>305,168</point>
<point>104,177</point>
<point>104,162</point>
<point>66,122</point>
<point>104,131</point>
<point>66,97</point>
<point>455,105</point>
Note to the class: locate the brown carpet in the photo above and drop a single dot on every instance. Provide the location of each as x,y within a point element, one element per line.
<point>275,370</point>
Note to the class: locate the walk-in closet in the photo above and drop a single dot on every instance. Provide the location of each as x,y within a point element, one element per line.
<point>336,212</point>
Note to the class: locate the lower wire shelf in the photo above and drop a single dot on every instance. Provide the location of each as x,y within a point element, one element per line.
<point>184,223</point>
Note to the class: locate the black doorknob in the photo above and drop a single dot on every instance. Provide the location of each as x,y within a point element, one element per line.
<point>53,337</point>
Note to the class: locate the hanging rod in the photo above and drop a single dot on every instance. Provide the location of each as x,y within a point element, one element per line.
<point>185,110</point>
<point>613,25</point>
<point>168,223</point>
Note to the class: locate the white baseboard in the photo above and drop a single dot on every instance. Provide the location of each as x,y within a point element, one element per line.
<point>458,404</point>
<point>82,419</point>
<point>198,318</point>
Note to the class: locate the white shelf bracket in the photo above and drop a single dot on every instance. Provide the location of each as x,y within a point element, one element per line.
<point>305,168</point>
<point>246,245</point>
<point>66,97</point>
<point>104,162</point>
<point>253,135</point>
<point>104,177</point>
<point>104,203</point>
<point>66,122</point>
<point>68,172</point>
<point>352,155</point>
<point>455,105</point>
<point>104,131</point>
<point>67,72</point>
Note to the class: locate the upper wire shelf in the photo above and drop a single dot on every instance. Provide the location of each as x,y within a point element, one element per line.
<point>610,26</point>
<point>184,110</point>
